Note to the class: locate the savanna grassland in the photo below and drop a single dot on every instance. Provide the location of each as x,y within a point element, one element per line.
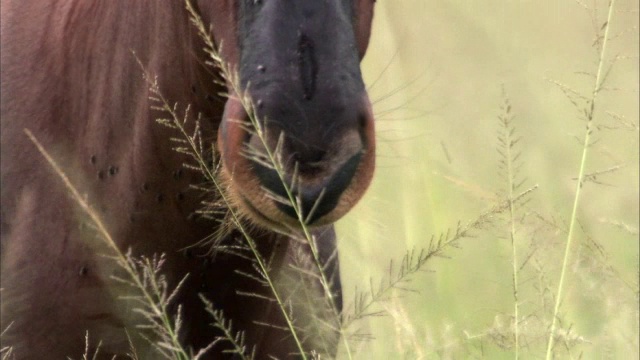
<point>482,111</point>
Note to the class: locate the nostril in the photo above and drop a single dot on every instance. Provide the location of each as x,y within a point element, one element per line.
<point>323,196</point>
<point>309,160</point>
<point>309,156</point>
<point>317,173</point>
<point>362,121</point>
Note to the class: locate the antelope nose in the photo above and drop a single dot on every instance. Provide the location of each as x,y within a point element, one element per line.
<point>315,175</point>
<point>309,159</point>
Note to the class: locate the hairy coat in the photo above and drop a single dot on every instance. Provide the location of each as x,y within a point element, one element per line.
<point>72,74</point>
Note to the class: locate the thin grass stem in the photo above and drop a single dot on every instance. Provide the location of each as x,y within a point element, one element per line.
<point>508,141</point>
<point>196,151</point>
<point>275,162</point>
<point>583,161</point>
<point>159,311</point>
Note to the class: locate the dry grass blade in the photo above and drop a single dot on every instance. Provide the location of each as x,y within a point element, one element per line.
<point>509,166</point>
<point>157,311</point>
<point>590,114</point>
<point>6,351</point>
<point>415,261</point>
<point>236,339</point>
<point>271,159</point>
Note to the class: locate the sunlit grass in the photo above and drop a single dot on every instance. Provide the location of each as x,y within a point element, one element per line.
<point>442,167</point>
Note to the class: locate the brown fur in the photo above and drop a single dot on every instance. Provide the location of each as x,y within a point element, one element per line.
<point>69,75</point>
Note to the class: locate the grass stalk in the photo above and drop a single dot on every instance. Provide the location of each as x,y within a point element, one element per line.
<point>508,141</point>
<point>590,112</point>
<point>295,203</point>
<point>514,262</point>
<point>6,352</point>
<point>195,149</point>
<point>412,264</point>
<point>158,310</point>
<point>273,160</point>
<point>235,338</point>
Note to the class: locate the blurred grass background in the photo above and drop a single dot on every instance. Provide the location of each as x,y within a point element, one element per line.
<point>435,71</point>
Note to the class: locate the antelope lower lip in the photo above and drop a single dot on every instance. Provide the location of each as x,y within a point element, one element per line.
<point>315,201</point>
<point>257,213</point>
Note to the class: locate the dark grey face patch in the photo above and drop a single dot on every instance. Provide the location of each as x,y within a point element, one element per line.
<point>300,65</point>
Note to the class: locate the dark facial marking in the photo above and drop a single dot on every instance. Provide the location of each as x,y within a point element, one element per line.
<point>308,66</point>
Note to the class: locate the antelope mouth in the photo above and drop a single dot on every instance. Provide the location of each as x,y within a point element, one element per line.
<point>310,193</point>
